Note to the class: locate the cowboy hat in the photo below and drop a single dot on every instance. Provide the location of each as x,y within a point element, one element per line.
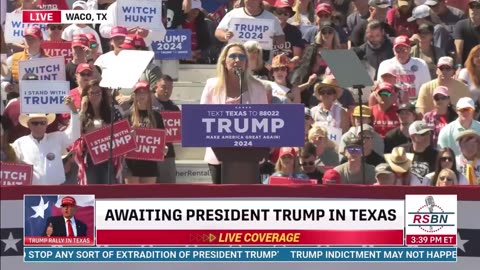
<point>328,81</point>
<point>24,118</point>
<point>399,160</point>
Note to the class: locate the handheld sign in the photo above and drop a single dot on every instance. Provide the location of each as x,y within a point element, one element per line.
<point>98,142</point>
<point>256,125</point>
<point>177,44</point>
<point>43,96</point>
<point>173,125</point>
<point>150,144</point>
<point>281,180</point>
<point>124,70</point>
<point>140,13</point>
<point>48,68</point>
<point>260,30</point>
<point>15,174</point>
<point>14,28</point>
<point>62,48</point>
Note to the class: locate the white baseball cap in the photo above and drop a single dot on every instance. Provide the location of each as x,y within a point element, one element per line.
<point>79,4</point>
<point>420,12</point>
<point>465,102</point>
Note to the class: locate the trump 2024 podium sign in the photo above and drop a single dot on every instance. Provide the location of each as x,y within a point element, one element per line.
<point>252,125</point>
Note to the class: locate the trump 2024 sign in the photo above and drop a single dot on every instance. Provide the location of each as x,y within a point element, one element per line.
<point>258,125</point>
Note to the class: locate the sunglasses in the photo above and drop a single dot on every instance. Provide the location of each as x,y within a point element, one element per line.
<point>280,69</point>
<point>86,74</point>
<point>446,178</point>
<point>93,45</point>
<point>474,6</point>
<point>470,110</point>
<point>439,98</point>
<point>445,68</point>
<point>366,138</point>
<point>239,56</point>
<point>95,94</point>
<point>354,149</point>
<point>327,92</point>
<point>327,32</point>
<point>401,49</point>
<point>446,159</point>
<point>38,123</point>
<point>55,27</point>
<point>385,94</point>
<point>307,163</point>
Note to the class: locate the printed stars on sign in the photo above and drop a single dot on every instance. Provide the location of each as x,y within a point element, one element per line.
<point>11,243</point>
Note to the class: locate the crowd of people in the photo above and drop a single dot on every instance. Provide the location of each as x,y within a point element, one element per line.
<point>418,126</point>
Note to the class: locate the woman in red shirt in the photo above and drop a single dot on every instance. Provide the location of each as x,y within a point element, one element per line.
<point>397,18</point>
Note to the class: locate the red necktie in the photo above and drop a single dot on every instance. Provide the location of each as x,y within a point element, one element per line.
<point>70,228</point>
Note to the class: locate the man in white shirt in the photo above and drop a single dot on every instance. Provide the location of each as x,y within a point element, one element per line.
<point>253,10</point>
<point>411,72</point>
<point>44,150</point>
<point>449,133</point>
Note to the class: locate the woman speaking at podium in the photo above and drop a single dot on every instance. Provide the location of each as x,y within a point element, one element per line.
<point>233,85</point>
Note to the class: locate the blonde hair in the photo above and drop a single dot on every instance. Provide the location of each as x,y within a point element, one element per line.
<point>320,131</point>
<point>335,41</point>
<point>247,78</point>
<point>451,174</point>
<point>297,17</point>
<point>296,165</point>
<point>253,46</point>
<point>135,117</point>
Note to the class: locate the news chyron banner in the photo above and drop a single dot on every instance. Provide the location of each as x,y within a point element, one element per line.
<point>247,230</point>
<point>59,220</point>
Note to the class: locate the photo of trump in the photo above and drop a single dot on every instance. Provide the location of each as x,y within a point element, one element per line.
<point>59,220</point>
<point>66,225</point>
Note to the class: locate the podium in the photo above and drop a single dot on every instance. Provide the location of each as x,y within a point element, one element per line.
<point>242,135</point>
<point>240,165</point>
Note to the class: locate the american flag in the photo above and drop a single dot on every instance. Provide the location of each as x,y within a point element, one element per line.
<point>39,208</point>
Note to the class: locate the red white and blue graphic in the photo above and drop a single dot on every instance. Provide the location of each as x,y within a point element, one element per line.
<point>431,220</point>
<point>59,220</point>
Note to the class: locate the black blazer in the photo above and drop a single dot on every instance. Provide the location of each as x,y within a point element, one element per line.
<point>59,227</point>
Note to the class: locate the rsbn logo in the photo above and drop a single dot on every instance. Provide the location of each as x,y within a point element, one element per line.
<point>430,217</point>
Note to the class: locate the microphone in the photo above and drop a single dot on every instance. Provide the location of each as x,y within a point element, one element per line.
<point>430,204</point>
<point>238,71</point>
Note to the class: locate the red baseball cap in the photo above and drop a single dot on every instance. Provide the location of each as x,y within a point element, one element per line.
<point>325,7</point>
<point>401,41</point>
<point>67,200</point>
<point>133,41</point>
<point>331,175</point>
<point>287,151</point>
<point>33,31</point>
<point>118,31</point>
<point>384,86</point>
<point>91,37</point>
<point>441,90</point>
<point>141,85</point>
<point>82,67</point>
<point>80,40</point>
<point>284,3</point>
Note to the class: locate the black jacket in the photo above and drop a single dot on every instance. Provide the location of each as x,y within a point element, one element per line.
<point>375,56</point>
<point>59,228</point>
